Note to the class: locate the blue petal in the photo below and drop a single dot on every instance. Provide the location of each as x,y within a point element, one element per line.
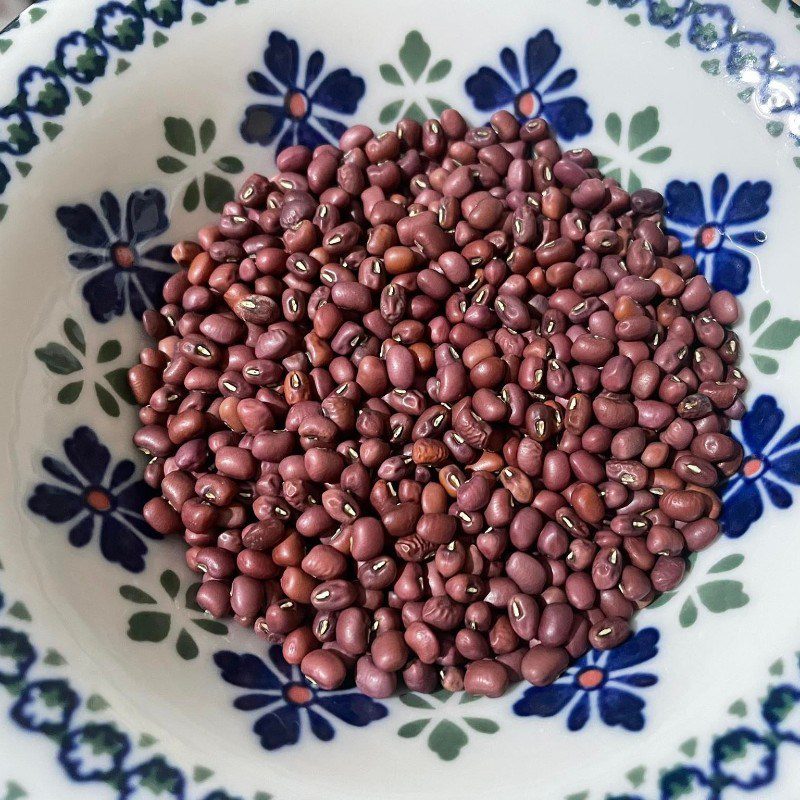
<point>339,91</point>
<point>509,60</point>
<point>730,270</point>
<point>246,670</point>
<point>320,727</point>
<point>618,707</point>
<point>332,126</point>
<point>288,138</point>
<point>110,207</point>
<point>748,238</point>
<point>262,123</point>
<point>84,259</point>
<point>568,116</point>
<point>684,203</point>
<point>145,215</point>
<point>87,454</point>
<point>134,496</point>
<point>489,90</point>
<point>741,509</point>
<point>640,680</point>
<point>282,59</point>
<point>161,253</point>
<point>353,708</point>
<point>638,649</point>
<point>761,423</point>
<point>144,289</point>
<point>563,81</point>
<point>749,203</point>
<point>541,54</point>
<point>250,702</point>
<point>82,225</point>
<point>81,534</point>
<point>544,701</point>
<point>137,523</point>
<point>779,496</point>
<point>719,189</point>
<point>790,438</point>
<point>279,727</point>
<point>121,473</point>
<point>120,545</point>
<point>314,66</point>
<point>263,85</point>
<point>279,662</point>
<point>579,715</point>
<point>105,294</point>
<point>58,469</point>
<point>788,467</point>
<point>54,503</point>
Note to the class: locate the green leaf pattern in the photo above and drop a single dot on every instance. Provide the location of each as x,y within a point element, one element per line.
<point>717,595</point>
<point>642,129</point>
<point>216,189</point>
<point>415,61</point>
<point>448,730</point>
<point>70,359</point>
<point>155,626</point>
<point>771,335</point>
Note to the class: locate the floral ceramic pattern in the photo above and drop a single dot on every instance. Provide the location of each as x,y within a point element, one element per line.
<point>770,469</point>
<point>95,495</point>
<point>89,751</point>
<point>180,136</point>
<point>719,232</point>
<point>532,86</point>
<point>757,70</point>
<point>125,272</point>
<point>601,681</point>
<point>286,697</point>
<point>446,721</point>
<point>300,108</point>
<point>415,56</point>
<point>155,626</point>
<point>72,362</point>
<point>741,760</point>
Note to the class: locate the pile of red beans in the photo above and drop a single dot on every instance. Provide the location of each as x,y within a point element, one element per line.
<point>440,404</point>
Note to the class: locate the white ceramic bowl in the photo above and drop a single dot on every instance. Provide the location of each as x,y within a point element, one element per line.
<point>124,128</point>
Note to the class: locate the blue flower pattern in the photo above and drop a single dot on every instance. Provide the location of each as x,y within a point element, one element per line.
<point>286,696</point>
<point>299,109</point>
<point>45,706</point>
<point>125,272</point>
<point>43,92</point>
<point>92,493</point>
<point>536,91</point>
<point>601,681</point>
<point>120,26</point>
<point>719,234</point>
<point>94,752</point>
<point>772,460</point>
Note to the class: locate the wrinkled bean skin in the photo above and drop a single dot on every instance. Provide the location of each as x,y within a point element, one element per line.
<point>440,404</point>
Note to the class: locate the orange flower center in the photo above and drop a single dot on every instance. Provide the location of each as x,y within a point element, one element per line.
<point>297,694</point>
<point>98,500</point>
<point>123,256</point>
<point>528,104</point>
<point>591,678</point>
<point>708,236</point>
<point>752,467</point>
<point>297,104</point>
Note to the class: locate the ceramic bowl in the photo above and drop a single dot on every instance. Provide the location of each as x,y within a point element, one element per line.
<point>123,128</point>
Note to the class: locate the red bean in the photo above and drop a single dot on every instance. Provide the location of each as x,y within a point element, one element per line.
<point>441,402</point>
